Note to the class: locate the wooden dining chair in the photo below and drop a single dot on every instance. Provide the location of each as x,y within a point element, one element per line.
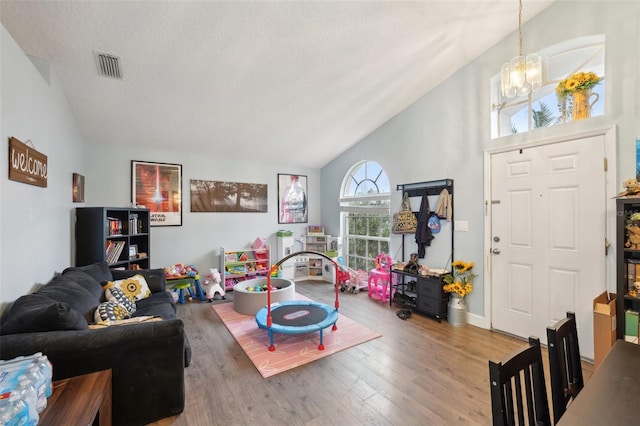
<point>565,367</point>
<point>518,388</point>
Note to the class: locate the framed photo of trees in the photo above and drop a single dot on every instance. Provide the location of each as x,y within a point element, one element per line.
<point>216,196</point>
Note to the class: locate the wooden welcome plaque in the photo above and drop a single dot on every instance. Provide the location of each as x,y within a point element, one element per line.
<point>27,165</point>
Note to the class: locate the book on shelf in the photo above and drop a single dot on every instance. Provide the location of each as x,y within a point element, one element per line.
<point>114,249</point>
<point>133,224</point>
<point>114,226</point>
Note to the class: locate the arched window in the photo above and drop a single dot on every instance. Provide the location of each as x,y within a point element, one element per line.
<point>364,207</point>
<point>543,107</point>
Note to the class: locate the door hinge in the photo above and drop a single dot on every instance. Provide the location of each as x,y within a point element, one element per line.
<point>607,244</point>
<point>606,164</point>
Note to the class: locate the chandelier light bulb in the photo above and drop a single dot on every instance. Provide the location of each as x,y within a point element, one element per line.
<point>522,75</point>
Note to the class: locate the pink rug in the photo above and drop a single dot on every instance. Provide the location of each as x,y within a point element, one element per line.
<point>292,350</point>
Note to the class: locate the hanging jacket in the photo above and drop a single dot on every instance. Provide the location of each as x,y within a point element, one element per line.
<point>444,209</point>
<point>423,232</point>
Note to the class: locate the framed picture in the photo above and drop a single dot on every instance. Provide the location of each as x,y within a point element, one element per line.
<point>215,196</point>
<point>292,199</point>
<point>133,251</point>
<point>158,187</point>
<point>78,188</point>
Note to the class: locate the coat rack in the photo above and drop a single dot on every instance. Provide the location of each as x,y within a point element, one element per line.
<point>429,188</point>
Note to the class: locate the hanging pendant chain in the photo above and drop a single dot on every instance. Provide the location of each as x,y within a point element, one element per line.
<point>520,26</point>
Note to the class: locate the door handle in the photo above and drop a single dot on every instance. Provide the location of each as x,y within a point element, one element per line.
<point>495,251</point>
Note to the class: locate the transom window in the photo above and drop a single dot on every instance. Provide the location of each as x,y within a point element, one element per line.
<point>542,108</point>
<point>364,208</point>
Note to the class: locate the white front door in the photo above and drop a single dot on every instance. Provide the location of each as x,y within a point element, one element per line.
<point>548,228</point>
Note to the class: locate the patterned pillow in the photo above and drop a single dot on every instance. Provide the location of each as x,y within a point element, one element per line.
<point>135,287</point>
<point>110,311</point>
<point>114,294</point>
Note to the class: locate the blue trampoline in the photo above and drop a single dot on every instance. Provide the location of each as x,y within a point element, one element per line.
<point>297,316</point>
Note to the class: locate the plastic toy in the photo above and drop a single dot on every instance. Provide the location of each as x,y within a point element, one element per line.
<point>190,271</point>
<point>211,285</point>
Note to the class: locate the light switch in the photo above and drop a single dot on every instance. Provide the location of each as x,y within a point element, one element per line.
<point>461,225</point>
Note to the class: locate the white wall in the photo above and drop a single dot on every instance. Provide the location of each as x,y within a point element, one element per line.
<point>444,133</point>
<point>34,222</point>
<point>197,241</point>
<point>36,235</point>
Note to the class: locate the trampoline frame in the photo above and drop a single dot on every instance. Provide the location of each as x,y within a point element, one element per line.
<point>264,318</point>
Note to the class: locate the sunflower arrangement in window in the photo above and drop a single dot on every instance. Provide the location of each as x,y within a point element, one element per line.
<point>575,98</point>
<point>460,281</point>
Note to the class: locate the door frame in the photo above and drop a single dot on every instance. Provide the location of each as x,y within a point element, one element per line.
<point>610,140</point>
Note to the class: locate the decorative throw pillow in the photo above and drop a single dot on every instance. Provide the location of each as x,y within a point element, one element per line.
<point>114,294</point>
<point>110,311</point>
<point>135,287</point>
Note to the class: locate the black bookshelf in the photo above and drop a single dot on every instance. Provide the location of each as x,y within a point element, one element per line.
<point>112,234</point>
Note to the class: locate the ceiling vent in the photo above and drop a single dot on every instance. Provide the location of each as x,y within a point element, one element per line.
<point>108,65</point>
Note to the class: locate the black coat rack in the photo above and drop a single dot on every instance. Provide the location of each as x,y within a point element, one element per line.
<point>432,187</point>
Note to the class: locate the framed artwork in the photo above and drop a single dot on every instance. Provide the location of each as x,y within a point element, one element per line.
<point>78,188</point>
<point>292,199</point>
<point>158,187</point>
<point>215,196</point>
<point>133,251</point>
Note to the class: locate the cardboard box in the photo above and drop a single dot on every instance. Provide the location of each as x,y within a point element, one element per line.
<point>604,325</point>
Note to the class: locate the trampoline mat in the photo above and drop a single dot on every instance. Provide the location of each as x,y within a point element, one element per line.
<point>298,315</point>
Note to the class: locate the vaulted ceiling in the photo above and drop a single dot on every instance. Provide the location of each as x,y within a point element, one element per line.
<point>284,82</point>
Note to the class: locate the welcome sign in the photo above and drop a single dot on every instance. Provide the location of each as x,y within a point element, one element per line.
<point>27,165</point>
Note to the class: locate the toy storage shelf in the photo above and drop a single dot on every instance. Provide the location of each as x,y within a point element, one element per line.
<point>317,266</point>
<point>244,264</point>
<point>105,234</point>
<point>628,269</point>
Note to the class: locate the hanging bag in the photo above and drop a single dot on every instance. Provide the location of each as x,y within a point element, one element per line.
<point>404,222</point>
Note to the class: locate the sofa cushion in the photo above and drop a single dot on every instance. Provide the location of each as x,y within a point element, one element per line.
<point>114,294</point>
<point>86,281</point>
<point>99,271</point>
<point>64,289</point>
<point>36,312</point>
<point>111,311</point>
<point>158,304</point>
<point>155,277</point>
<point>135,287</point>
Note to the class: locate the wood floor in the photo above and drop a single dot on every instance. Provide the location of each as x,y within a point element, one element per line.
<point>420,372</point>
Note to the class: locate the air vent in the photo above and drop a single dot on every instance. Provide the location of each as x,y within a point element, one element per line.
<point>108,65</point>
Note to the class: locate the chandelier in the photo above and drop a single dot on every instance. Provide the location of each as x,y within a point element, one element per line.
<point>521,75</point>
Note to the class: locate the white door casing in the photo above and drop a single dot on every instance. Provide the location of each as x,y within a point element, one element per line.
<point>548,222</point>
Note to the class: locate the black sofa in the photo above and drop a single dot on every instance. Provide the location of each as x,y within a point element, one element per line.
<point>147,359</point>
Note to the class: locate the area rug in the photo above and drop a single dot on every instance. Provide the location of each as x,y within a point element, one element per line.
<point>292,350</point>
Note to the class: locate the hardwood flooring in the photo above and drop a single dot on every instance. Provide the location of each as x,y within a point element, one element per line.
<point>420,372</point>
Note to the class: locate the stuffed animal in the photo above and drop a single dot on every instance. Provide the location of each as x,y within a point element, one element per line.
<point>632,188</point>
<point>633,236</point>
<point>211,285</point>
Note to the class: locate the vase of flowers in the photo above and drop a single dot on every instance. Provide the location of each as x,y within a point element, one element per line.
<point>574,94</point>
<point>458,284</point>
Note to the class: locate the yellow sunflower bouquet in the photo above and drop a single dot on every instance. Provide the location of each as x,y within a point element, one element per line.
<point>460,281</point>
<point>576,82</point>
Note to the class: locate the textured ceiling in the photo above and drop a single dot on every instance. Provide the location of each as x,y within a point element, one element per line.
<point>269,80</point>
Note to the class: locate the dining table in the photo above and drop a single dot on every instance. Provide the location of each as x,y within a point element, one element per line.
<point>612,395</point>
